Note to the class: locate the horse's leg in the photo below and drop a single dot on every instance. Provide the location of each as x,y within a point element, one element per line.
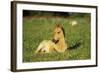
<point>57,49</point>
<point>40,47</point>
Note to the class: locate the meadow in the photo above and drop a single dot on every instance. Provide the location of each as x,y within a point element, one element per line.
<point>37,29</point>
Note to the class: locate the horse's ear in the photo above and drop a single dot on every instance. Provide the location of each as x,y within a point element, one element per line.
<point>59,25</point>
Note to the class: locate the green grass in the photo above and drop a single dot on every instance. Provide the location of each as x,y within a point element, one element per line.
<point>36,30</point>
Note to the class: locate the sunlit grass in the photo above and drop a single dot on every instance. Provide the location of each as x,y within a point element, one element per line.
<point>36,30</point>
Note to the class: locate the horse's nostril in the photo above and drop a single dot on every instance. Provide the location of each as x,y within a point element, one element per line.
<point>52,40</point>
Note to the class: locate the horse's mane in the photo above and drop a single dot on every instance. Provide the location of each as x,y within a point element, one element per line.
<point>63,31</point>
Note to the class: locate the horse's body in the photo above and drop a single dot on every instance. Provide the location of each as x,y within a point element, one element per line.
<point>57,44</point>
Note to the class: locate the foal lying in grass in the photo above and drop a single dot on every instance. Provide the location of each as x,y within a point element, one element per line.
<point>56,44</point>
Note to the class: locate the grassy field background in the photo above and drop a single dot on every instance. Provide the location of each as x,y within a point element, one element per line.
<point>37,29</point>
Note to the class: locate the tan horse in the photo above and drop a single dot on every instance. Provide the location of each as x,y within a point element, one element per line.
<point>57,44</point>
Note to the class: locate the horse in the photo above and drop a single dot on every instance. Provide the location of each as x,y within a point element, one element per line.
<point>57,44</point>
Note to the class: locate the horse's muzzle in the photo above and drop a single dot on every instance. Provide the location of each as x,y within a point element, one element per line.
<point>55,41</point>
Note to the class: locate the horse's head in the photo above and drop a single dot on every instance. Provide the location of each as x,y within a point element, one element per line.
<point>59,33</point>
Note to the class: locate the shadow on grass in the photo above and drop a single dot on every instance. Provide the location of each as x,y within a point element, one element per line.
<point>75,46</point>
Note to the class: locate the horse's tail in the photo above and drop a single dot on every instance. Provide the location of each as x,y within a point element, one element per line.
<point>75,46</point>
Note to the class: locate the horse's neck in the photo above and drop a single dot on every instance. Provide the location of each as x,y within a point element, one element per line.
<point>61,42</point>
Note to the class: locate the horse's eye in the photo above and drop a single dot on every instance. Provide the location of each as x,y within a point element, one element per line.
<point>58,32</point>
